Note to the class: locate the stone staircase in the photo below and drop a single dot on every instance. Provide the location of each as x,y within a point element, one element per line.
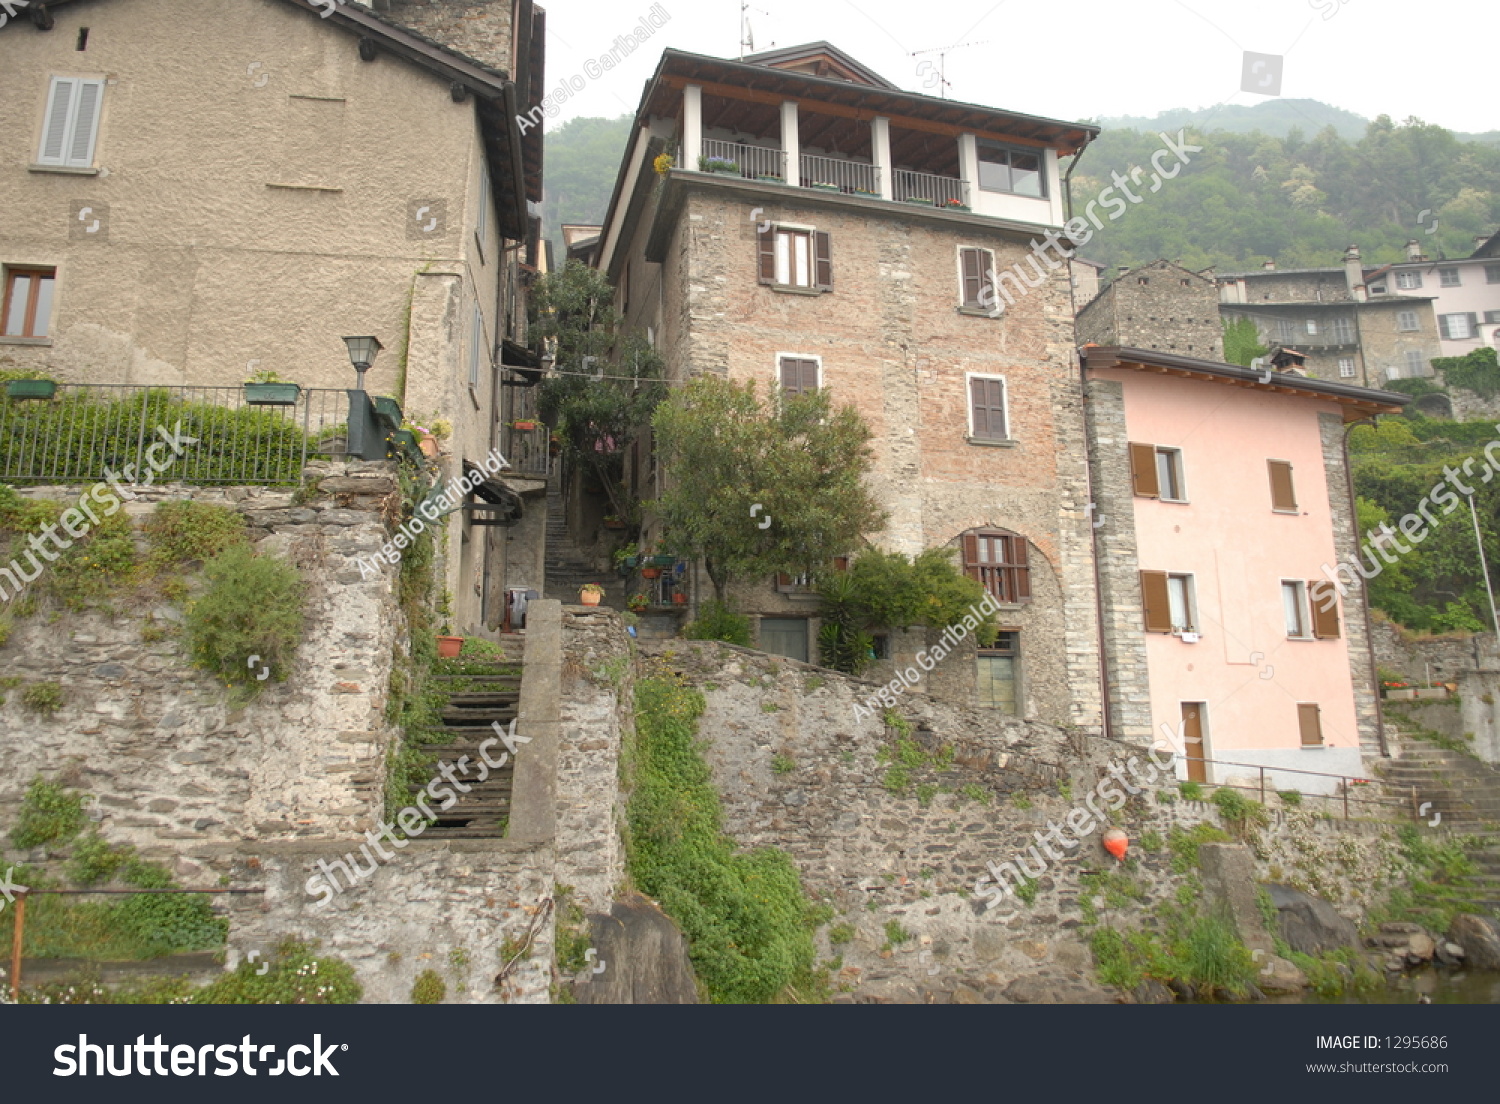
<point>567,567</point>
<point>488,691</point>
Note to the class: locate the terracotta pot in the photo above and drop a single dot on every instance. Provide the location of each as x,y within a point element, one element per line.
<point>679,599</point>
<point>429,446</point>
<point>449,646</point>
<point>651,573</point>
<point>589,597</point>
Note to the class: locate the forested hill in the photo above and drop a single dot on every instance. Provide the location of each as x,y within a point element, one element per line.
<point>1248,196</point>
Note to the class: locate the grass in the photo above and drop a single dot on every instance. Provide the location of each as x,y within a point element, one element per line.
<point>1184,845</point>
<point>783,764</point>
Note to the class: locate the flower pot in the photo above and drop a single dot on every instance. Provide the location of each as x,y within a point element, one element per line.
<point>449,646</point>
<point>679,599</point>
<point>589,597</point>
<point>1401,695</point>
<point>663,561</point>
<point>918,200</point>
<point>31,389</point>
<point>651,573</point>
<point>272,394</point>
<point>429,446</point>
<point>632,561</point>
<point>524,425</point>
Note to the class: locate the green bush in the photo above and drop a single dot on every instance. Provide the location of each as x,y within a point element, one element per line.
<point>1190,791</point>
<point>429,988</point>
<point>43,698</point>
<point>1240,812</point>
<point>296,976</point>
<point>716,621</point>
<point>182,532</point>
<point>253,606</point>
<point>49,813</point>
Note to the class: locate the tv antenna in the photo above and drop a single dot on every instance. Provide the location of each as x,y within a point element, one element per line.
<point>747,35</point>
<point>942,67</point>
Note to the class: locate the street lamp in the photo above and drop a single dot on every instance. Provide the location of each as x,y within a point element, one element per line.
<point>362,352</point>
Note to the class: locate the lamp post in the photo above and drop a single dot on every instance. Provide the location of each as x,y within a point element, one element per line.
<point>362,352</point>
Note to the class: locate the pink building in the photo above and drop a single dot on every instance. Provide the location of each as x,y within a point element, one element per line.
<point>1221,496</point>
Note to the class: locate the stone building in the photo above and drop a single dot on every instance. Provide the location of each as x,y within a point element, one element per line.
<point>858,238</point>
<point>1465,292</point>
<point>1343,320</point>
<point>341,170</point>
<point>1159,305</point>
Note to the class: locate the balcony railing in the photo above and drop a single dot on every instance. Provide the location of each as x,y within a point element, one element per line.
<point>940,191</point>
<point>86,432</point>
<point>753,161</point>
<point>527,450</point>
<point>847,176</point>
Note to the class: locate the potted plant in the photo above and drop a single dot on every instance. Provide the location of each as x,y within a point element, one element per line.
<point>266,388</point>
<point>865,194</point>
<point>769,178</point>
<point>30,388</point>
<point>718,165</point>
<point>613,521</point>
<point>679,598</point>
<point>449,646</point>
<point>824,186</point>
<point>637,602</point>
<point>590,593</point>
<point>956,205</point>
<point>523,423</point>
<point>651,572</point>
<point>920,201</point>
<point>626,556</point>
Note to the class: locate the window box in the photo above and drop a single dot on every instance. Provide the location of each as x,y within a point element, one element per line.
<point>767,179</point>
<point>1434,693</point>
<point>955,205</point>
<point>1400,695</point>
<point>718,165</point>
<point>523,425</point>
<point>865,194</point>
<point>918,200</point>
<point>406,440</point>
<point>822,187</point>
<point>30,389</point>
<point>272,394</point>
<point>663,561</point>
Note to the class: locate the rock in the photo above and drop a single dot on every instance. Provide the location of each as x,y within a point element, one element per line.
<point>1449,954</point>
<point>1400,928</point>
<point>1420,946</point>
<point>1181,989</point>
<point>645,957</point>
<point>1479,938</point>
<point>1038,989</point>
<point>1310,925</point>
<point>889,991</point>
<point>1152,991</point>
<point>1278,975</point>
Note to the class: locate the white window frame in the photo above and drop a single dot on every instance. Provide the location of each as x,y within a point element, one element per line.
<point>1312,327</point>
<point>1189,588</point>
<point>476,341</point>
<point>1450,277</point>
<point>1346,367</point>
<point>1303,610</point>
<point>69,124</point>
<point>969,404</point>
<point>816,358</point>
<point>1341,329</point>
<point>1178,473</point>
<point>989,271</point>
<point>1467,335</point>
<point>1408,281</point>
<point>787,232</point>
<point>1402,318</point>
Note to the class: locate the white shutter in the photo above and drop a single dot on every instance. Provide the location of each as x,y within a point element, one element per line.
<point>484,202</point>
<point>55,129</point>
<point>85,124</point>
<point>476,335</point>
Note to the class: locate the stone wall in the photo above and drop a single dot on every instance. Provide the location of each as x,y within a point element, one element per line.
<point>797,771</point>
<point>164,757</point>
<point>1446,656</point>
<point>1157,306</point>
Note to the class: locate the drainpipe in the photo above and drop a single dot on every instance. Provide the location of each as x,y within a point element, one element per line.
<point>1068,181</point>
<point>1385,751</point>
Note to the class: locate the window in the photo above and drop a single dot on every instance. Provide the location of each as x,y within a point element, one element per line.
<point>976,278</point>
<point>1457,327</point>
<point>1312,326</point>
<point>1492,316</point>
<point>1406,321</point>
<point>476,339</point>
<point>997,674</point>
<point>1414,363</point>
<point>799,375</point>
<point>28,302</point>
<point>1323,599</point>
<point>1492,274</point>
<point>1007,169</point>
<point>1156,472</point>
<point>1408,281</point>
<point>1342,331</point>
<point>482,224</point>
<point>792,257</point>
<point>1346,367</point>
<point>1378,289</point>
<point>987,421</point>
<point>998,560</point>
<point>1449,277</point>
<point>1169,602</point>
<point>72,123</point>
<point>1285,331</point>
<point>1283,493</point>
<point>1143,280</point>
<point>1310,721</point>
<point>1294,609</point>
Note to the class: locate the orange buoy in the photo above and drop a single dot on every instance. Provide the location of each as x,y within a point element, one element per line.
<point>1116,842</point>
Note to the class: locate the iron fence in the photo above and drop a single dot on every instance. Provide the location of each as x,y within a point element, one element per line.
<point>181,434</point>
<point>847,176</point>
<point>752,161</point>
<point>527,450</point>
<point>937,190</point>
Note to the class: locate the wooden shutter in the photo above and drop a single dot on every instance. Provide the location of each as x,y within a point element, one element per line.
<point>1023,570</point>
<point>987,401</point>
<point>1157,604</point>
<point>1321,593</point>
<point>1310,723</point>
<point>798,376</point>
<point>1283,496</point>
<point>822,261</point>
<point>767,246</point>
<point>971,552</point>
<point>971,264</point>
<point>1143,470</point>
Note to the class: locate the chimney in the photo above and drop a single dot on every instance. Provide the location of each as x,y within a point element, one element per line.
<point>1354,274</point>
<point>1414,250</point>
<point>1269,266</point>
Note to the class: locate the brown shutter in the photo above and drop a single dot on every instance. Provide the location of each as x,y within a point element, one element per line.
<point>970,262</point>
<point>1158,605</point>
<point>1283,496</point>
<point>971,549</point>
<point>1023,571</point>
<point>783,579</point>
<point>823,261</point>
<point>987,398</point>
<point>809,376</point>
<point>1143,470</point>
<point>1321,593</point>
<point>791,375</point>
<point>841,563</point>
<point>1311,724</point>
<point>767,246</point>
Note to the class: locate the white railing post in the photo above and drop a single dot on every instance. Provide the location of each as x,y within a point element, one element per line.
<point>968,168</point>
<point>692,126</point>
<point>791,144</point>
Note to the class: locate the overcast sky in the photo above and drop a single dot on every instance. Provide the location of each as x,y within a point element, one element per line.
<point>1081,58</point>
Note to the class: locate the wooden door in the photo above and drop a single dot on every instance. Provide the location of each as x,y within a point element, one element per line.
<point>1195,750</point>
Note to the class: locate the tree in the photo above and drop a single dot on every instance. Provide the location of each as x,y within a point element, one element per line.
<point>761,487</point>
<point>1242,342</point>
<point>606,384</point>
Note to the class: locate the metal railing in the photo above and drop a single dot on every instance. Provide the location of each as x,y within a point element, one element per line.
<point>527,450</point>
<point>753,161</point>
<point>847,176</point>
<point>178,434</point>
<point>937,190</point>
<point>1349,782</point>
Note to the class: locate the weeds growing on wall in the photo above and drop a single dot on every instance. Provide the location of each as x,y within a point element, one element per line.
<point>748,922</point>
<point>49,814</point>
<point>253,606</point>
<point>716,621</point>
